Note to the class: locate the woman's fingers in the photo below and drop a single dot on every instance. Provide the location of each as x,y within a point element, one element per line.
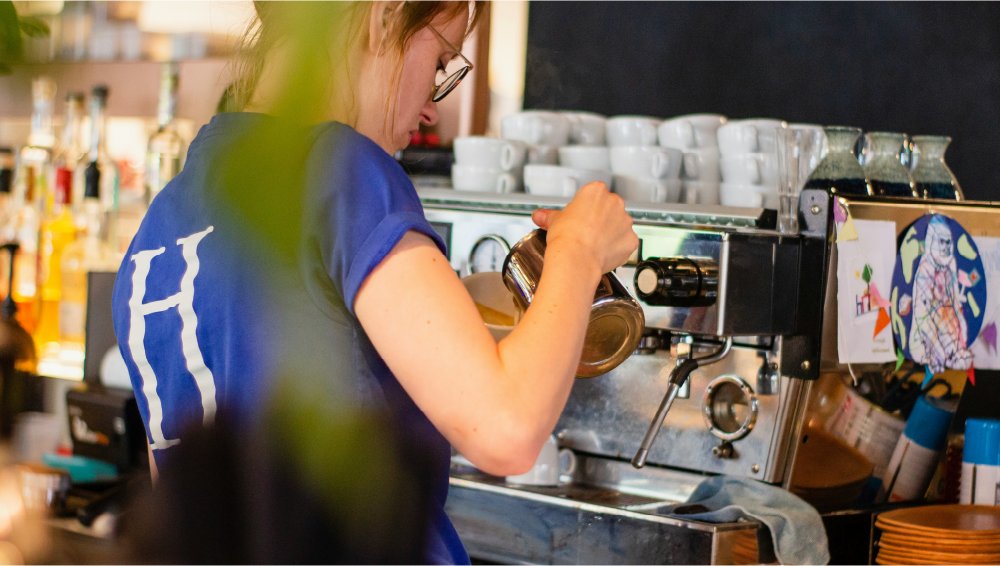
<point>542,217</point>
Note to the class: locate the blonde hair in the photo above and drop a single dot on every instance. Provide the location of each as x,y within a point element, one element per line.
<point>316,23</point>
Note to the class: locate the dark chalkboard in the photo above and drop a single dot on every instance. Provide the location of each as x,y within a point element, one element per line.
<point>915,67</point>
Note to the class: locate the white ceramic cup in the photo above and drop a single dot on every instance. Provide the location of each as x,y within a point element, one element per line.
<point>632,130</point>
<point>647,189</point>
<point>699,192</point>
<point>551,463</point>
<point>555,181</point>
<point>702,165</point>
<point>482,179</point>
<point>543,154</point>
<point>536,127</point>
<point>646,161</point>
<point>750,168</point>
<point>690,132</point>
<point>490,152</point>
<point>737,194</point>
<point>585,157</point>
<point>748,136</point>
<point>585,128</point>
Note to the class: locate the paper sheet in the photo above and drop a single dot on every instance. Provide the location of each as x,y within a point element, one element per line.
<point>864,272</point>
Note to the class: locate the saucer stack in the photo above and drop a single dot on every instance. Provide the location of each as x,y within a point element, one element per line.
<point>940,534</point>
<point>748,162</point>
<point>643,171</point>
<point>695,136</point>
<point>488,165</point>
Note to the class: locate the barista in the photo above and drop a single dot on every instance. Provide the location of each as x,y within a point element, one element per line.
<point>381,303</point>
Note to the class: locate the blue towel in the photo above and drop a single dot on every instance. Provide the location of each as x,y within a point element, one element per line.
<point>796,527</point>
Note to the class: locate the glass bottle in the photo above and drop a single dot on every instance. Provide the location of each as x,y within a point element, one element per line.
<point>88,253</point>
<point>99,165</point>
<point>163,158</point>
<point>6,210</point>
<point>58,229</point>
<point>931,176</point>
<point>839,172</point>
<point>31,180</point>
<point>883,168</point>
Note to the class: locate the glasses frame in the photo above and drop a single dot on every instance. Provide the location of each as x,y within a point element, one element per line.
<point>451,81</point>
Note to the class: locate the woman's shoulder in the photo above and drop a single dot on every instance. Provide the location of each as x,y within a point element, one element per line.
<point>342,151</point>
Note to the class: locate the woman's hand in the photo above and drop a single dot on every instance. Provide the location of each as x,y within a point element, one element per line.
<point>594,224</point>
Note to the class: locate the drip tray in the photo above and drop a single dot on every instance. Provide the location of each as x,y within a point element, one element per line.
<point>606,513</point>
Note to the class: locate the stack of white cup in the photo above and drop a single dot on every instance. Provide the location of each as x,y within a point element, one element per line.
<point>487,165</point>
<point>643,171</point>
<point>565,150</point>
<point>695,136</point>
<point>748,163</point>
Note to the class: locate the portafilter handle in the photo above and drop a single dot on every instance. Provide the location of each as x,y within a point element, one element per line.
<point>678,376</point>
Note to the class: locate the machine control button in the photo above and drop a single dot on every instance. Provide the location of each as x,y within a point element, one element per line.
<point>677,281</point>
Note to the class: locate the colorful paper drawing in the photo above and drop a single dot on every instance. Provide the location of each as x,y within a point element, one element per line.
<point>877,298</point>
<point>984,348</point>
<point>864,268</point>
<point>839,214</point>
<point>937,293</point>
<point>848,231</point>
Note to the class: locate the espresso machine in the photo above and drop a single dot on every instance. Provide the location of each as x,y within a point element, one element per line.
<point>718,384</point>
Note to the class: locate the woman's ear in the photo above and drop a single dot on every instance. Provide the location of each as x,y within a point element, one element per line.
<point>381,18</point>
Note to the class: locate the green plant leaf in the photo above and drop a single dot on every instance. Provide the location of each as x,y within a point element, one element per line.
<point>11,45</point>
<point>33,27</point>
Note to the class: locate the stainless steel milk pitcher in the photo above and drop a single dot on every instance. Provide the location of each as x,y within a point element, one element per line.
<point>616,319</point>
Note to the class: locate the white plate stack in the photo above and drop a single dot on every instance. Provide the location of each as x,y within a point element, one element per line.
<point>748,163</point>
<point>695,136</point>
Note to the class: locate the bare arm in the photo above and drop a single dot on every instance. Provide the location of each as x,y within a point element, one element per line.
<point>496,403</point>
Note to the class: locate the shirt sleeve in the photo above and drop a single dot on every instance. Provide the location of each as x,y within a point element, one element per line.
<point>364,204</point>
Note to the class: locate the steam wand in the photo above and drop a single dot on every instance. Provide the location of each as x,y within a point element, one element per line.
<point>678,376</point>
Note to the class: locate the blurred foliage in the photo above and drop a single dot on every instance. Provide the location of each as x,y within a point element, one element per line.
<point>12,27</point>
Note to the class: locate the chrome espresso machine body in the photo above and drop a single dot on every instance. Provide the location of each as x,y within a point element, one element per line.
<point>731,345</point>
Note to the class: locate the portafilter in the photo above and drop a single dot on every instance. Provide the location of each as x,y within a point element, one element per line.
<point>616,319</point>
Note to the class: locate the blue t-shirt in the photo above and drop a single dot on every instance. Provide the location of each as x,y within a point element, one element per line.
<point>221,292</point>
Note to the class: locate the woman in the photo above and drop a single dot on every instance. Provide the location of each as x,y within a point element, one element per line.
<point>295,257</point>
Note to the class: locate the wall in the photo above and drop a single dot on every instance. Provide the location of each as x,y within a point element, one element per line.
<point>920,68</point>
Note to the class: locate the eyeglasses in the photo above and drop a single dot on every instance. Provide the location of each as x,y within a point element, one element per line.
<point>442,89</point>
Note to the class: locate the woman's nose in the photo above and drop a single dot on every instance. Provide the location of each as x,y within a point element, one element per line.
<point>429,113</point>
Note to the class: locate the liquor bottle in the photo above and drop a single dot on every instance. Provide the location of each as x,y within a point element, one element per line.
<point>30,189</point>
<point>58,230</point>
<point>88,253</point>
<point>163,158</point>
<point>99,165</point>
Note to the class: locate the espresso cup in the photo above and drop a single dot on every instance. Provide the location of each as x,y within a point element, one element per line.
<point>748,136</point>
<point>482,179</point>
<point>753,196</point>
<point>551,463</point>
<point>699,192</point>
<point>585,128</point>
<point>646,161</point>
<point>647,189</point>
<point>750,168</point>
<point>632,130</point>
<point>490,152</point>
<point>690,132</point>
<point>701,165</point>
<point>585,157</point>
<point>543,154</point>
<point>555,181</point>
<point>536,127</point>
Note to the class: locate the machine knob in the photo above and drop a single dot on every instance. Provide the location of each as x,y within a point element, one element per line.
<point>677,281</point>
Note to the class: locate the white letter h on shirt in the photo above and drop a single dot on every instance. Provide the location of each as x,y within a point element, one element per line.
<point>184,301</point>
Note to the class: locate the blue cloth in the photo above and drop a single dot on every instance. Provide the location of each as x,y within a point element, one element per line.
<point>206,323</point>
<point>796,528</point>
